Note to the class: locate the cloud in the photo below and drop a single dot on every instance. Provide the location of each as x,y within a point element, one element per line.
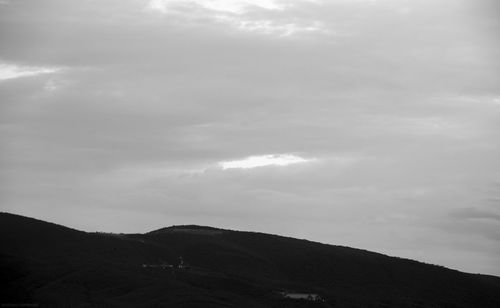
<point>270,26</point>
<point>226,6</point>
<point>264,160</point>
<point>12,71</point>
<point>475,213</point>
<point>240,15</point>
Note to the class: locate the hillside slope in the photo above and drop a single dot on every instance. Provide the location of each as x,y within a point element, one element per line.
<point>193,266</point>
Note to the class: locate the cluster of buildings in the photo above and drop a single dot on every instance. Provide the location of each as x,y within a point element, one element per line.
<point>181,265</point>
<point>304,296</point>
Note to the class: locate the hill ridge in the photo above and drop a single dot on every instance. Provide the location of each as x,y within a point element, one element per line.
<point>200,266</point>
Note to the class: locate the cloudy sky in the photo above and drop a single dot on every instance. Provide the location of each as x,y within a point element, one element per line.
<point>367,123</point>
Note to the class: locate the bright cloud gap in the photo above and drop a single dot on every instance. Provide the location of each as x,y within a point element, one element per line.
<point>11,71</point>
<point>227,6</point>
<point>235,14</point>
<point>263,161</point>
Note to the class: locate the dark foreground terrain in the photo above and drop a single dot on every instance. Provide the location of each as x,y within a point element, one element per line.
<point>48,265</point>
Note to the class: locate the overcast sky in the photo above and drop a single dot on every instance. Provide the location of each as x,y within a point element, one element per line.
<point>366,123</point>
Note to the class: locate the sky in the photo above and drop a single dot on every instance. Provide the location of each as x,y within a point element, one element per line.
<point>366,123</point>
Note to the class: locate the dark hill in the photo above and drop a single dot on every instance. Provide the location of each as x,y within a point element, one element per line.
<point>55,266</point>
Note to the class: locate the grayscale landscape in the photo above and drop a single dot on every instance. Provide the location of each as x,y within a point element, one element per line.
<point>288,153</point>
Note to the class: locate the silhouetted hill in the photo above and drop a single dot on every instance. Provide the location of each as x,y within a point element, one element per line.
<point>55,266</point>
